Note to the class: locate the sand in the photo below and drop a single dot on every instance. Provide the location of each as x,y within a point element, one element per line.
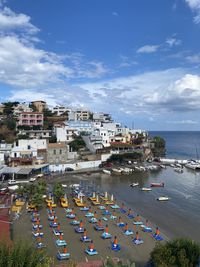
<point>138,254</point>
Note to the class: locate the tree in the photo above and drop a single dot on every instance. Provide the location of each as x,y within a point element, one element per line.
<point>53,139</point>
<point>176,253</point>
<point>37,200</point>
<point>77,143</point>
<point>22,254</point>
<point>159,146</point>
<point>58,191</point>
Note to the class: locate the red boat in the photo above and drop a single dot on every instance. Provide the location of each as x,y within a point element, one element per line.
<point>157,184</point>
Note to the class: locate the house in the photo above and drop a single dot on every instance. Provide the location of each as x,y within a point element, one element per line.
<point>36,134</point>
<point>102,117</point>
<point>30,119</point>
<point>39,105</point>
<point>19,108</point>
<point>64,133</point>
<point>79,115</point>
<point>5,150</point>
<point>25,151</point>
<point>57,153</point>
<point>60,110</point>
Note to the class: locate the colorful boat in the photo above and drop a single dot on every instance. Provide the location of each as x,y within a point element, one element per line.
<point>157,184</point>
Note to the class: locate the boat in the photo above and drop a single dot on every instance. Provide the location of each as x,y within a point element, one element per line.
<point>163,166</point>
<point>117,170</point>
<point>147,189</point>
<point>106,171</point>
<point>194,165</point>
<point>157,184</point>
<point>163,198</point>
<point>179,170</point>
<point>134,184</point>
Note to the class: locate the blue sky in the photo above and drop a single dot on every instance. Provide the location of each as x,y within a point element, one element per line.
<point>138,60</point>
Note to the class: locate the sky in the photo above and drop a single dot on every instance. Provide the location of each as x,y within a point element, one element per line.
<point>135,59</point>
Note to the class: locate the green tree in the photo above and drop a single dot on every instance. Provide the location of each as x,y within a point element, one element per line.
<point>77,143</point>
<point>37,200</point>
<point>176,253</point>
<point>158,149</point>
<point>58,191</point>
<point>22,254</point>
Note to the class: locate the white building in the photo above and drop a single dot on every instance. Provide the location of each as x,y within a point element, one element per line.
<point>79,115</point>
<point>102,117</point>
<point>64,134</point>
<point>59,110</point>
<point>21,107</point>
<point>27,147</point>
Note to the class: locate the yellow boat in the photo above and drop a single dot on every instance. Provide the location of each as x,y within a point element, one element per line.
<point>64,202</point>
<point>51,204</point>
<point>16,209</point>
<point>79,204</point>
<point>105,197</point>
<point>93,198</point>
<point>31,207</point>
<point>96,202</point>
<point>19,203</point>
<point>48,200</point>
<point>111,201</point>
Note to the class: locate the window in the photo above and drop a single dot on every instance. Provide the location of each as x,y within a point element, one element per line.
<point>54,152</point>
<point>60,151</point>
<point>29,147</point>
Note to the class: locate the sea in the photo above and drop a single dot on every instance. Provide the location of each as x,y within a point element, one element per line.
<point>178,217</point>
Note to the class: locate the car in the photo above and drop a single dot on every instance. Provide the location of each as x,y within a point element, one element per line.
<point>33,179</point>
<point>69,169</point>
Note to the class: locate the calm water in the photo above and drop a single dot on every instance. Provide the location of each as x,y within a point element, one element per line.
<point>181,215</point>
<point>184,145</point>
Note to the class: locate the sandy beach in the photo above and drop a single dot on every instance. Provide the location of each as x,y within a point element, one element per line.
<point>138,254</point>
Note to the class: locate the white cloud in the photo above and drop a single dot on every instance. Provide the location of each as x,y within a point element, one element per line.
<point>172,41</point>
<point>24,65</point>
<point>195,7</point>
<point>148,49</point>
<point>183,122</point>
<point>10,20</point>
<point>126,62</point>
<point>115,13</point>
<point>193,58</point>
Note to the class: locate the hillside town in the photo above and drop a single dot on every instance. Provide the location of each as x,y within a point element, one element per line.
<point>37,138</point>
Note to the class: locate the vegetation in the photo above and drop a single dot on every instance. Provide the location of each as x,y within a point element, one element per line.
<point>126,156</point>
<point>53,139</point>
<point>58,191</point>
<point>176,253</point>
<point>22,254</point>
<point>77,143</point>
<point>158,149</point>
<point>110,263</point>
<point>8,108</point>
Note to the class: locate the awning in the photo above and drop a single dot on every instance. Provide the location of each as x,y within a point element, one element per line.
<point>9,170</point>
<point>25,171</point>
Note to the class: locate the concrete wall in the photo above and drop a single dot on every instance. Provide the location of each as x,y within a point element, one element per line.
<point>75,166</point>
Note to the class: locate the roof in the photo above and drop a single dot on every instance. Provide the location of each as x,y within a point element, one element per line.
<point>57,145</point>
<point>25,171</point>
<point>9,170</point>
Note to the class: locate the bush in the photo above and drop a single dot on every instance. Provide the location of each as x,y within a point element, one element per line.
<point>176,253</point>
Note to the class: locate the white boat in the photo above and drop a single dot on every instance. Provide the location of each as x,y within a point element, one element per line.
<point>14,182</point>
<point>107,171</point>
<point>116,170</point>
<point>134,184</point>
<point>147,189</point>
<point>163,166</point>
<point>33,179</point>
<point>193,165</point>
<point>163,198</point>
<point>64,185</point>
<point>179,170</point>
<point>126,170</point>
<point>172,165</point>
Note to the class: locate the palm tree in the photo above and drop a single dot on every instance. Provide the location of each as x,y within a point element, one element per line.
<point>37,200</point>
